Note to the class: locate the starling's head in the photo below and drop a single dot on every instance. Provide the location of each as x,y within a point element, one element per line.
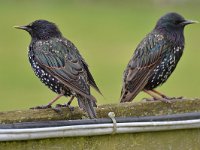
<point>172,22</point>
<point>41,30</point>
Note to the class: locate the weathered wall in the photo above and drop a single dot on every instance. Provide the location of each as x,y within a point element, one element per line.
<point>169,140</point>
<point>176,139</point>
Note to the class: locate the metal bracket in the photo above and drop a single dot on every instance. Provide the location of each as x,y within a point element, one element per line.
<point>111,115</point>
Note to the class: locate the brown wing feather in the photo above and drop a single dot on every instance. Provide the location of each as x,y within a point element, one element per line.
<point>85,65</point>
<point>140,69</point>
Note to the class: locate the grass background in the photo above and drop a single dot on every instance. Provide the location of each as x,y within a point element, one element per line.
<point>106,34</point>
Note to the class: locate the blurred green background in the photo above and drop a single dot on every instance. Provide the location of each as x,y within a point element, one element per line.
<point>106,34</point>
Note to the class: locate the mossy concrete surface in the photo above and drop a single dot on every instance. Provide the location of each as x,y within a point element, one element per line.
<point>174,139</point>
<point>120,110</point>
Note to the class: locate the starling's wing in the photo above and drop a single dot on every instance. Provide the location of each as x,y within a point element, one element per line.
<point>146,57</point>
<point>62,61</point>
<point>91,79</point>
<point>85,65</point>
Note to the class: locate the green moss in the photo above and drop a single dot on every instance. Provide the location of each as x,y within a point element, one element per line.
<point>120,110</point>
<point>137,141</point>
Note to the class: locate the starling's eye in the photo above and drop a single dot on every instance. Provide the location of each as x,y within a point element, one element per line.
<point>178,22</point>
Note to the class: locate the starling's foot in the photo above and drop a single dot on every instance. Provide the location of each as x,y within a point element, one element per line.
<point>165,100</point>
<point>181,97</point>
<point>71,108</point>
<point>172,98</point>
<point>148,99</point>
<point>155,99</point>
<point>56,109</point>
<point>168,98</point>
<point>41,107</point>
<point>61,105</point>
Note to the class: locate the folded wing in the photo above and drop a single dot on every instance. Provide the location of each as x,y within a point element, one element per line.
<point>140,68</point>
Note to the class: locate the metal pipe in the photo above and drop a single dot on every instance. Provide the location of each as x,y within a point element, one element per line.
<point>57,123</point>
<point>95,129</point>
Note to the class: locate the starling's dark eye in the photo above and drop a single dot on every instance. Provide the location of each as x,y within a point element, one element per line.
<point>178,22</point>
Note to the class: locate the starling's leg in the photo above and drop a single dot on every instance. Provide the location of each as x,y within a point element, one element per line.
<point>155,97</point>
<point>161,94</point>
<point>166,97</point>
<point>49,104</point>
<point>70,101</point>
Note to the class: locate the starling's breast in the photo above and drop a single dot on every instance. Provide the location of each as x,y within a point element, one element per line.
<point>47,78</point>
<point>163,71</point>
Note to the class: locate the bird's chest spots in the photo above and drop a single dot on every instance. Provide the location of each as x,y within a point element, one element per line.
<point>162,71</point>
<point>46,78</point>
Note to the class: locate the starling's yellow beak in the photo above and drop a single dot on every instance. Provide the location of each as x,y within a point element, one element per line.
<point>189,22</point>
<point>21,27</point>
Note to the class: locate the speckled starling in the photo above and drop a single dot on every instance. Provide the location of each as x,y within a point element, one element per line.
<point>155,58</point>
<point>59,65</point>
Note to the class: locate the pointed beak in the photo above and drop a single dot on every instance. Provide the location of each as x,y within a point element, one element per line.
<point>21,27</point>
<point>186,22</point>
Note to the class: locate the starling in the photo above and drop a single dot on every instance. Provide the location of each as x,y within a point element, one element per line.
<point>155,58</point>
<point>59,65</point>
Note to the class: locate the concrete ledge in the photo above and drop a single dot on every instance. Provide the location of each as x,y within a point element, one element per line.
<point>121,110</point>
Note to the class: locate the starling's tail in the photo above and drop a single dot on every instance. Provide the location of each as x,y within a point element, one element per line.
<point>127,96</point>
<point>88,104</point>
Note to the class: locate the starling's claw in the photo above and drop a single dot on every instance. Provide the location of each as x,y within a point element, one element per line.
<point>56,109</point>
<point>41,107</point>
<point>64,106</point>
<point>180,97</point>
<point>71,108</point>
<point>165,100</point>
<point>168,98</point>
<point>148,99</point>
<point>155,99</point>
<point>61,105</point>
<point>173,98</point>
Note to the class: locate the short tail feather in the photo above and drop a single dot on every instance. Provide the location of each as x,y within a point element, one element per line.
<point>128,96</point>
<point>88,105</point>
